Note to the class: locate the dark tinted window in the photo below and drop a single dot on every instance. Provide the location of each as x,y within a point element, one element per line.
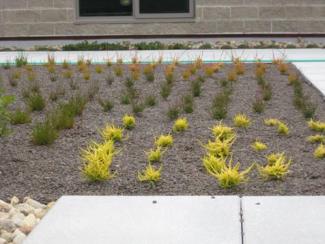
<point>105,7</point>
<point>164,6</point>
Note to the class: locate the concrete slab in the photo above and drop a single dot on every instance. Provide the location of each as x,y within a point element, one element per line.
<point>284,220</point>
<point>141,220</point>
<point>314,72</point>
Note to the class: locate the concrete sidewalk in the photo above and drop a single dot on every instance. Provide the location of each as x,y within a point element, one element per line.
<point>183,219</point>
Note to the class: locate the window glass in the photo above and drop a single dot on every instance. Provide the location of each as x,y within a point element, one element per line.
<point>164,6</point>
<point>105,8</point>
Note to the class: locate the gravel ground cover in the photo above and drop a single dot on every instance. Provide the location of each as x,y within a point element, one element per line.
<point>47,172</point>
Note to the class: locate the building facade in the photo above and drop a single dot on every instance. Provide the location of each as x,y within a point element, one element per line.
<point>51,18</point>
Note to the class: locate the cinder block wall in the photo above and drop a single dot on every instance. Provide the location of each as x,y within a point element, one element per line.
<point>57,18</point>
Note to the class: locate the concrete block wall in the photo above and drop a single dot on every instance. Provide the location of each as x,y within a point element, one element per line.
<point>58,18</point>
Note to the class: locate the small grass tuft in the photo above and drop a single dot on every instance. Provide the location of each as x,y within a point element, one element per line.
<point>173,112</point>
<point>35,101</point>
<point>107,105</point>
<point>196,88</point>
<point>150,101</point>
<point>19,117</point>
<point>44,133</point>
<point>188,104</point>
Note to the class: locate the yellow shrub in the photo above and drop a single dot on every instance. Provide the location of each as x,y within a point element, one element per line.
<point>273,157</point>
<point>271,122</point>
<point>241,120</point>
<point>128,122</point>
<point>320,151</point>
<point>219,148</point>
<point>154,155</point>
<point>110,132</point>
<point>277,170</point>
<point>150,174</point>
<point>283,129</point>
<point>230,176</point>
<point>318,138</point>
<point>164,141</point>
<point>180,125</point>
<point>222,131</point>
<point>97,161</point>
<point>316,125</point>
<point>213,164</point>
<point>259,146</point>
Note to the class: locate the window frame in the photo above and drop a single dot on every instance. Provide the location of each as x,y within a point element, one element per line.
<point>137,17</point>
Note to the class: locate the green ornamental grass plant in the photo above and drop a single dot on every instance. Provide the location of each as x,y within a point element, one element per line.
<point>19,117</point>
<point>36,102</point>
<point>44,133</point>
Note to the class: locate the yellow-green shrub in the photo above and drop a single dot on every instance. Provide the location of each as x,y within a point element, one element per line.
<point>283,129</point>
<point>150,174</point>
<point>316,125</point>
<point>273,157</point>
<point>164,141</point>
<point>128,122</point>
<point>241,120</point>
<point>230,176</point>
<point>180,125</point>
<point>154,155</point>
<point>213,164</point>
<point>318,138</point>
<point>222,131</point>
<point>320,151</point>
<point>259,146</point>
<point>111,132</point>
<point>97,161</point>
<point>271,122</point>
<point>219,148</point>
<point>277,170</point>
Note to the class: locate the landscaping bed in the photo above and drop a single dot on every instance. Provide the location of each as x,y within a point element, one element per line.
<point>47,172</point>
